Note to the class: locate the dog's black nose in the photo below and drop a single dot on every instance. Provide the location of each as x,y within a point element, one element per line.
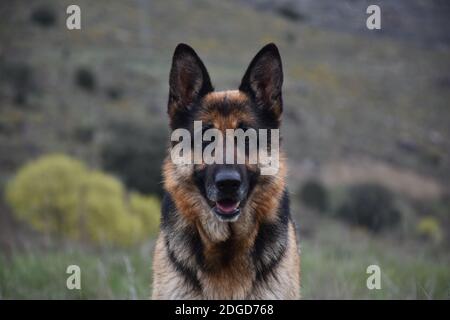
<point>228,181</point>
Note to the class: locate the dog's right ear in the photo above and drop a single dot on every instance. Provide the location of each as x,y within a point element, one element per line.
<point>189,80</point>
<point>263,80</point>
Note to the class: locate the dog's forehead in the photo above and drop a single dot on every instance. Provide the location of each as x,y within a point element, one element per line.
<point>227,98</point>
<point>226,109</point>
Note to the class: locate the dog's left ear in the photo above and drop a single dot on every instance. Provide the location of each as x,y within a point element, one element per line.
<point>264,78</point>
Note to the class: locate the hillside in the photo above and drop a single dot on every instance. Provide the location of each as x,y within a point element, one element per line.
<point>346,95</point>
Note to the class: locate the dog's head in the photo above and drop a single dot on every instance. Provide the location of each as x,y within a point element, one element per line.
<point>226,189</point>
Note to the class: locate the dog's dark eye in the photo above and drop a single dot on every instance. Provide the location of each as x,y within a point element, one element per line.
<point>243,126</point>
<point>206,127</point>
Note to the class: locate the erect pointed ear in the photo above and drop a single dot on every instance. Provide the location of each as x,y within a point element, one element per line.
<point>189,80</point>
<point>264,78</point>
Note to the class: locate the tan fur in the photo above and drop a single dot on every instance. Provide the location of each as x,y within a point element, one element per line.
<point>229,274</point>
<point>235,282</point>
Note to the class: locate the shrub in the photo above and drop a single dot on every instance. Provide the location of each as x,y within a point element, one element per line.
<point>84,133</point>
<point>114,93</point>
<point>45,189</point>
<point>85,79</point>
<point>314,195</point>
<point>44,16</point>
<point>59,195</point>
<point>290,13</point>
<point>135,153</point>
<point>20,82</point>
<point>429,228</point>
<point>147,209</point>
<point>104,214</point>
<point>369,205</point>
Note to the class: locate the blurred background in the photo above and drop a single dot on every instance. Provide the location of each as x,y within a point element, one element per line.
<point>83,131</point>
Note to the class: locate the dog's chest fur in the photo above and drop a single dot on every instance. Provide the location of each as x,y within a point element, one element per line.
<point>261,264</point>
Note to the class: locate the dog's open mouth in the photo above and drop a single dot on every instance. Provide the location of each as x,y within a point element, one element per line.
<point>227,209</point>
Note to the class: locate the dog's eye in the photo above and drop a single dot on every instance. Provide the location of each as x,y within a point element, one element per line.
<point>243,126</point>
<point>206,127</point>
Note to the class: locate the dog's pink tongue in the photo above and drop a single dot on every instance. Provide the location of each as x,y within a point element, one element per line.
<point>227,206</point>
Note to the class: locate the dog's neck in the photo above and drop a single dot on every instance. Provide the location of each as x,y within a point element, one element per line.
<point>240,257</point>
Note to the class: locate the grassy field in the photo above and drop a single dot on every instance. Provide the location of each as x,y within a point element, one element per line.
<point>334,267</point>
<point>107,274</point>
<point>333,262</point>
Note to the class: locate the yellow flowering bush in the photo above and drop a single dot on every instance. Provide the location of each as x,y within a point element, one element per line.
<point>59,195</point>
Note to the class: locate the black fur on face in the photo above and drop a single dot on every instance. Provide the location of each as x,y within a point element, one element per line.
<point>257,104</point>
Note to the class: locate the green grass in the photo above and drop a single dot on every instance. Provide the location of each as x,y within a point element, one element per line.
<point>334,263</point>
<point>111,274</point>
<point>335,268</point>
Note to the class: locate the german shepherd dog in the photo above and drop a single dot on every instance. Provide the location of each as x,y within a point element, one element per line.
<point>226,230</point>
